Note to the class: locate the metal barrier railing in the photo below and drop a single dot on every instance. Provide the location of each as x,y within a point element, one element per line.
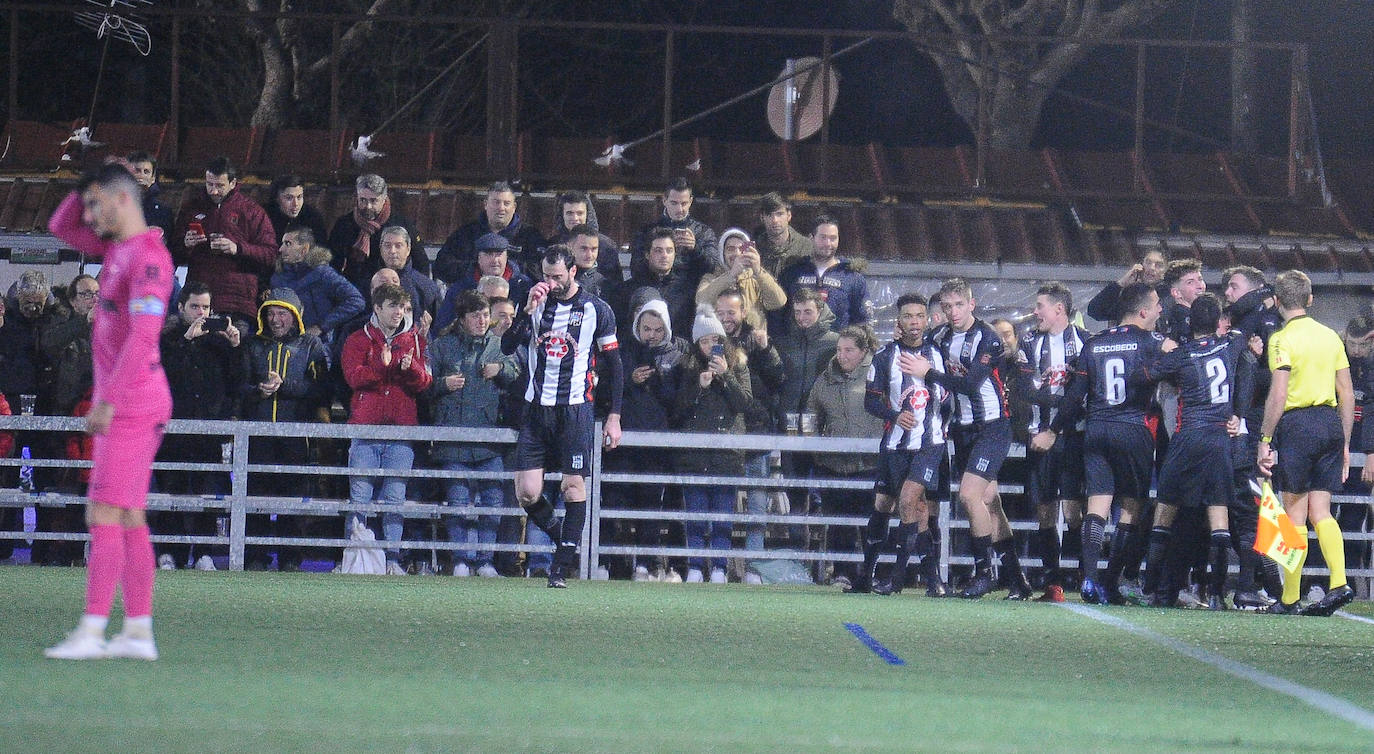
<point>238,504</point>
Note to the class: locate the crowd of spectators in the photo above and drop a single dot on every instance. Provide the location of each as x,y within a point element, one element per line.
<point>286,318</point>
<point>283,319</point>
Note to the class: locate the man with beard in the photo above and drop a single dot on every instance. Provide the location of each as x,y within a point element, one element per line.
<point>568,327</point>
<point>225,240</point>
<point>130,406</point>
<point>840,286</point>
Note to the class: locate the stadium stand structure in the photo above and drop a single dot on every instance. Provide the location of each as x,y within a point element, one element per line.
<point>919,205</point>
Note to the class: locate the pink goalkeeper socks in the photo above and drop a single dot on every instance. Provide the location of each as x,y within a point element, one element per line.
<point>103,571</point>
<point>139,569</point>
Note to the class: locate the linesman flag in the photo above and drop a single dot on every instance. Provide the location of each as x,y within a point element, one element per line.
<point>1276,535</point>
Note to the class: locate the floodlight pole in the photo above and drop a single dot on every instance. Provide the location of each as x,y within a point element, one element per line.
<point>789,99</point>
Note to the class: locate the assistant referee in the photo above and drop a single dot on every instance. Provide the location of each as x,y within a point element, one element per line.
<point>1307,421</point>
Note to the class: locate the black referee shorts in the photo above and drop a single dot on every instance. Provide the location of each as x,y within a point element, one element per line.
<point>1310,447</point>
<point>556,438</point>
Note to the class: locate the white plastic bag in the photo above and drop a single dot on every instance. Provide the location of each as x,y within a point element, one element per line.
<point>363,559</point>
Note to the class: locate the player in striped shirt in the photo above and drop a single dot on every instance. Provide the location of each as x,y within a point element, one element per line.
<point>1045,360</point>
<point>981,433</point>
<point>569,328</point>
<point>910,452</point>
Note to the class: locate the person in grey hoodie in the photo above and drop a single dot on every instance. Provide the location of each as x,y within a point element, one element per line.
<point>650,356</point>
<point>469,375</point>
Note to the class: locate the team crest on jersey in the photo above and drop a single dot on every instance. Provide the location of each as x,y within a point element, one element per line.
<point>577,461</point>
<point>558,344</point>
<point>1055,376</point>
<point>915,397</point>
<point>575,319</point>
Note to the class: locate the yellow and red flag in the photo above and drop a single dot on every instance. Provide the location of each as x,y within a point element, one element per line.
<point>1277,536</point>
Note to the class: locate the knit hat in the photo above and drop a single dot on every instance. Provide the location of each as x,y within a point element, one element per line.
<point>706,324</point>
<point>725,236</point>
<point>656,306</point>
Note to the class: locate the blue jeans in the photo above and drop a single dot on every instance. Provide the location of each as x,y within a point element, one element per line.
<point>473,529</point>
<point>708,499</point>
<point>756,500</point>
<point>380,454</point>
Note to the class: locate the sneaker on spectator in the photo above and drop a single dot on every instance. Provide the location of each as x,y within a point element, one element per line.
<point>461,570</point>
<point>80,644</point>
<point>394,569</point>
<point>488,571</point>
<point>671,576</point>
<point>131,647</point>
<point>641,574</point>
<point>842,582</point>
<point>602,574</point>
<point>718,576</point>
<point>205,563</point>
<point>694,576</point>
<point>753,579</point>
<point>165,562</point>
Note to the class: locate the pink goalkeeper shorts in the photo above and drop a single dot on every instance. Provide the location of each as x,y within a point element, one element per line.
<point>123,462</point>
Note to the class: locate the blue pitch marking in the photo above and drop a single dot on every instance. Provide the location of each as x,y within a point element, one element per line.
<point>874,644</point>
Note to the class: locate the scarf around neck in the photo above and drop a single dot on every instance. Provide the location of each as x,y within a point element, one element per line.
<point>362,247</point>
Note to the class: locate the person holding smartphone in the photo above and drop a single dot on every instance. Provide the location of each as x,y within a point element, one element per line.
<point>713,395</point>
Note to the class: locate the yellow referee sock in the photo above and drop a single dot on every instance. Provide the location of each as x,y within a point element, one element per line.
<point>1292,581</point>
<point>1333,549</point>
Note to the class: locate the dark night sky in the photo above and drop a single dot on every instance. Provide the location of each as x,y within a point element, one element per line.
<point>891,94</point>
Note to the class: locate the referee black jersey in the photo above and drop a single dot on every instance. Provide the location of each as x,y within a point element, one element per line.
<point>891,392</point>
<point>1046,360</point>
<point>564,339</point>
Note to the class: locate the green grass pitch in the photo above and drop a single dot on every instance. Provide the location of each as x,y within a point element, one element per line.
<point>275,662</point>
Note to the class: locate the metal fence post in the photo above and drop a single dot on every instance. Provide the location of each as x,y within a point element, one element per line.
<point>591,533</point>
<point>238,500</point>
<point>945,549</point>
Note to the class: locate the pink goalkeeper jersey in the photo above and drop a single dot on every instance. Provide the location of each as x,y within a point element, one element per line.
<point>135,286</point>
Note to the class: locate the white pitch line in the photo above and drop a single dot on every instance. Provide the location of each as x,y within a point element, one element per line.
<point>1352,616</point>
<point>1321,700</point>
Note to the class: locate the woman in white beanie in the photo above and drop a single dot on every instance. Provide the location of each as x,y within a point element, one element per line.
<point>713,396</point>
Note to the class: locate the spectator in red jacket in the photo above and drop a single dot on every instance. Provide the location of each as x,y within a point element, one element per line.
<point>225,240</point>
<point>384,364</point>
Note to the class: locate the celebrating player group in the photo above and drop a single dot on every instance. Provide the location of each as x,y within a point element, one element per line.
<point>1188,393</point>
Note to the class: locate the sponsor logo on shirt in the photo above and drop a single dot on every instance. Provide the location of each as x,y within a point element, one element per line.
<point>148,305</point>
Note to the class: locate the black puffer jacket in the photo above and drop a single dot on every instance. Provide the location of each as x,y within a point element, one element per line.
<point>720,408</point>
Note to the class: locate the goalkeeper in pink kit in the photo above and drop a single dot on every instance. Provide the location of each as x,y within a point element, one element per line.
<point>130,406</point>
